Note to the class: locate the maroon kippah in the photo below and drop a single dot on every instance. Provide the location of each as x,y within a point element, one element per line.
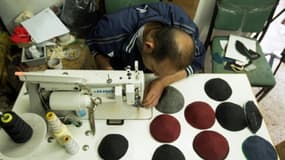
<point>200,115</point>
<point>165,128</point>
<point>211,145</point>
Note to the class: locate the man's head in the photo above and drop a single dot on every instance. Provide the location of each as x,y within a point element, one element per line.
<point>167,50</point>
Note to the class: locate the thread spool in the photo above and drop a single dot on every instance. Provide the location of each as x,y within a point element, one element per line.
<point>54,123</point>
<point>17,129</point>
<point>70,144</point>
<point>58,128</point>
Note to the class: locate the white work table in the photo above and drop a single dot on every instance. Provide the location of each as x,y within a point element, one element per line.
<point>141,144</point>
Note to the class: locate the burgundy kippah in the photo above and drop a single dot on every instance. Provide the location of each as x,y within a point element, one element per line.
<point>167,152</point>
<point>211,145</point>
<point>218,89</point>
<point>231,116</point>
<point>200,115</point>
<point>165,128</point>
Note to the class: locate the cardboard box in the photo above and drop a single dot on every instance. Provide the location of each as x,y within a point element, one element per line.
<point>34,61</point>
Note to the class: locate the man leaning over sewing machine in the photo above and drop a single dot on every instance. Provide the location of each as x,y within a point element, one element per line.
<point>159,35</point>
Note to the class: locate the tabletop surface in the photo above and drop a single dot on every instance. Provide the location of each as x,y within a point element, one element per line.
<point>141,144</point>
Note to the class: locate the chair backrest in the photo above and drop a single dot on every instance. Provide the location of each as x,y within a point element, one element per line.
<point>114,5</point>
<point>243,15</point>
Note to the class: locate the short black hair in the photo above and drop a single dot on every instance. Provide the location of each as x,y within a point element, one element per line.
<point>165,46</point>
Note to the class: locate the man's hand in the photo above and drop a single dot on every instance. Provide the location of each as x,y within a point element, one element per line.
<point>153,93</point>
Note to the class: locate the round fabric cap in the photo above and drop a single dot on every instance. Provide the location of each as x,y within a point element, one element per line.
<point>231,116</point>
<point>253,116</point>
<point>218,89</point>
<point>211,145</point>
<point>171,101</point>
<point>257,148</point>
<point>200,115</point>
<point>113,147</point>
<point>167,152</point>
<point>165,128</point>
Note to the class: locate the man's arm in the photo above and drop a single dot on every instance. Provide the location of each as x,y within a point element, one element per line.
<point>103,62</point>
<point>154,90</point>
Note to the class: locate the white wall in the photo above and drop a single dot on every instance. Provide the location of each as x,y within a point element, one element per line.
<point>203,17</point>
<point>10,9</point>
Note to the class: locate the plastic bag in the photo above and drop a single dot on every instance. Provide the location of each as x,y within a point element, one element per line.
<point>79,16</point>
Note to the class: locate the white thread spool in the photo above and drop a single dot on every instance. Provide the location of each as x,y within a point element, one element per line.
<point>58,128</point>
<point>69,101</point>
<point>54,123</point>
<point>70,145</point>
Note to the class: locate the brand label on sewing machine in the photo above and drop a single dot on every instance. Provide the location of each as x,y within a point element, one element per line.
<point>106,92</point>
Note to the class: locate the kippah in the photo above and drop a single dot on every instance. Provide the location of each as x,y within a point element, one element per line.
<point>253,116</point>
<point>231,116</point>
<point>165,128</point>
<point>200,115</point>
<point>257,148</point>
<point>168,152</point>
<point>211,145</point>
<point>113,147</point>
<point>218,89</point>
<point>171,101</point>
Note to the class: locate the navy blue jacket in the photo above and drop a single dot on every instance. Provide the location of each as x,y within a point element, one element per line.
<point>115,34</point>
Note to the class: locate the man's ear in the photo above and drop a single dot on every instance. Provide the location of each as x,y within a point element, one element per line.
<point>149,45</point>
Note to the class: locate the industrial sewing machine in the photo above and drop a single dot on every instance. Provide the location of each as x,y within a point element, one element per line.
<point>111,95</point>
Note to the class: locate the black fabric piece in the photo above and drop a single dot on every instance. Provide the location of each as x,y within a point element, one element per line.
<point>257,148</point>
<point>253,116</point>
<point>231,116</point>
<point>250,54</point>
<point>218,89</point>
<point>113,147</point>
<point>171,101</point>
<point>168,152</point>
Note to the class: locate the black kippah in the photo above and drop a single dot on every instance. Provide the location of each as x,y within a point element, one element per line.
<point>257,148</point>
<point>218,89</point>
<point>171,101</point>
<point>231,116</point>
<point>253,116</point>
<point>167,152</point>
<point>113,147</point>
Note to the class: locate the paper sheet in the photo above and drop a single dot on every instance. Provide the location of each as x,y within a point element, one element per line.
<point>231,51</point>
<point>44,26</point>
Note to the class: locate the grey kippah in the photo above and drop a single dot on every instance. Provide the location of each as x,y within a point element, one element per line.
<point>171,101</point>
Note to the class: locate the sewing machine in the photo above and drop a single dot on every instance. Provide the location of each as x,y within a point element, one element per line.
<point>111,95</point>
